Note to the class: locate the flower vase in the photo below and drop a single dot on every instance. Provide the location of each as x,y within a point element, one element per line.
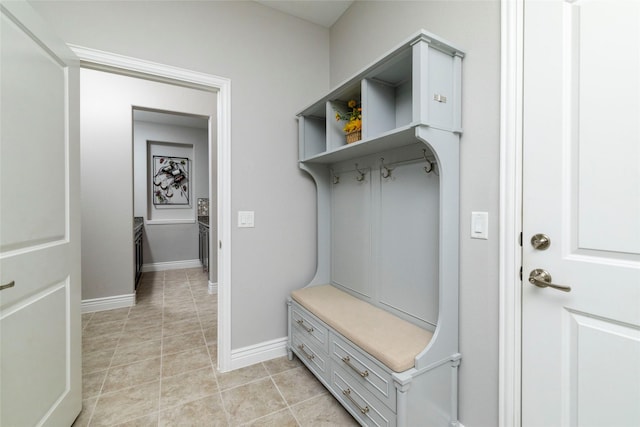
<point>354,136</point>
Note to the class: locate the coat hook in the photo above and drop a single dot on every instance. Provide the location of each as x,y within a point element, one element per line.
<point>427,169</point>
<point>361,174</point>
<point>387,172</point>
<point>336,178</point>
<point>430,167</point>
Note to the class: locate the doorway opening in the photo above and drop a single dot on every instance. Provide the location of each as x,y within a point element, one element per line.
<point>219,130</point>
<point>174,191</point>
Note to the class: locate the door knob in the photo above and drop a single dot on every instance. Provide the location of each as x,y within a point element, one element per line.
<point>542,279</point>
<point>540,241</point>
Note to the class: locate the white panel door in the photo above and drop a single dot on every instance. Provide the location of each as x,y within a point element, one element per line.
<point>581,187</point>
<point>40,360</point>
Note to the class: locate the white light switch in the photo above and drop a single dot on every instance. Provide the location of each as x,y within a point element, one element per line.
<point>480,225</point>
<point>245,219</point>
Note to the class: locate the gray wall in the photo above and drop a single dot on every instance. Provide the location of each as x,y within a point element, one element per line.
<point>474,26</point>
<point>170,242</point>
<point>277,64</point>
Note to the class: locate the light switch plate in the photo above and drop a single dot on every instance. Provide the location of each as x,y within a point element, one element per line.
<point>480,225</point>
<point>245,219</point>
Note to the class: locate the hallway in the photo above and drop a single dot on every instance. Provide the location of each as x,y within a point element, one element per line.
<point>154,365</point>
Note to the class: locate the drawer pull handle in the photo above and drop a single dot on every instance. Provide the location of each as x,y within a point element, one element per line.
<point>11,284</point>
<point>307,355</point>
<point>347,393</point>
<point>347,360</point>
<point>301,323</point>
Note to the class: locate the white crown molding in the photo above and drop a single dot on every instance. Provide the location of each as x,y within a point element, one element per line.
<point>123,65</point>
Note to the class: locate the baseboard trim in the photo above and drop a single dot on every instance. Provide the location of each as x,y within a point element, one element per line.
<point>261,352</point>
<point>108,303</point>
<point>171,265</point>
<point>213,288</point>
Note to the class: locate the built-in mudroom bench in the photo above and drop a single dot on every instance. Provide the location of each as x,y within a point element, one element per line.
<point>378,323</point>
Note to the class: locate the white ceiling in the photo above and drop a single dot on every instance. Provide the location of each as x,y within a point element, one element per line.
<point>321,12</point>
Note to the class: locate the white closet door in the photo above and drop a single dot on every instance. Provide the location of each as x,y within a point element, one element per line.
<point>581,188</point>
<point>40,372</point>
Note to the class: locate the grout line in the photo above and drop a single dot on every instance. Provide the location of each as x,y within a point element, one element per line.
<point>213,368</point>
<point>161,353</point>
<point>286,402</point>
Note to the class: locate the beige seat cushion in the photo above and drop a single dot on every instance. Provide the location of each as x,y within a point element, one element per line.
<point>391,340</point>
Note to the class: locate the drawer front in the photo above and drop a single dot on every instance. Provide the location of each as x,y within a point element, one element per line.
<point>364,370</point>
<point>366,408</point>
<point>316,360</point>
<point>308,325</point>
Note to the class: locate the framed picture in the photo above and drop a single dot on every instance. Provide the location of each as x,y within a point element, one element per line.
<point>170,179</point>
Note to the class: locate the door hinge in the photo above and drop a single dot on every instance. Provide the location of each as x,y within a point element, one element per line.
<point>220,244</point>
<point>521,239</point>
<point>521,273</point>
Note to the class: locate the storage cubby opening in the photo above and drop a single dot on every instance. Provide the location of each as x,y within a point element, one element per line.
<point>314,135</point>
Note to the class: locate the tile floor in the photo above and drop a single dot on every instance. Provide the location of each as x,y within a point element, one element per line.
<point>155,365</point>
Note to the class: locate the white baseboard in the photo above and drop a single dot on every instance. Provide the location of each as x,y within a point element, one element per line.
<point>171,265</point>
<point>213,288</point>
<point>262,352</point>
<point>108,303</point>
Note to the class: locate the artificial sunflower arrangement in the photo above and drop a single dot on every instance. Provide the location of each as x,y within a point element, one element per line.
<point>353,117</point>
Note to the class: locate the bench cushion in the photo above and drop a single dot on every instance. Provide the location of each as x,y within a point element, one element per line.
<point>391,340</point>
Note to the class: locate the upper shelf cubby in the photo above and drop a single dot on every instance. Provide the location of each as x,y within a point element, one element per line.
<point>417,83</point>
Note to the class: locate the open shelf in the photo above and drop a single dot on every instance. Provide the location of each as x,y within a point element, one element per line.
<point>395,138</point>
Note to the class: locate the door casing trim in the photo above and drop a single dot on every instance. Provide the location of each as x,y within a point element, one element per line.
<point>125,65</point>
<point>510,256</point>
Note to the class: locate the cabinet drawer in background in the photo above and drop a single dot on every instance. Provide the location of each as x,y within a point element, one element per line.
<point>309,325</point>
<point>364,370</point>
<point>366,408</point>
<point>317,361</point>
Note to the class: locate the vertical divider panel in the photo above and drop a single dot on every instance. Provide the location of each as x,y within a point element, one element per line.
<point>409,243</point>
<point>351,233</point>
<point>335,135</point>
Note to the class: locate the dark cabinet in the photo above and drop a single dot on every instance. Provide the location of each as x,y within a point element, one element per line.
<point>137,250</point>
<point>203,245</point>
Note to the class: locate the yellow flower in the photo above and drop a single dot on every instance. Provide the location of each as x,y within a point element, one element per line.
<point>353,117</point>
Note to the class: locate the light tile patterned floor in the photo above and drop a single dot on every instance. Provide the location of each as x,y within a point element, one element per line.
<point>154,365</point>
